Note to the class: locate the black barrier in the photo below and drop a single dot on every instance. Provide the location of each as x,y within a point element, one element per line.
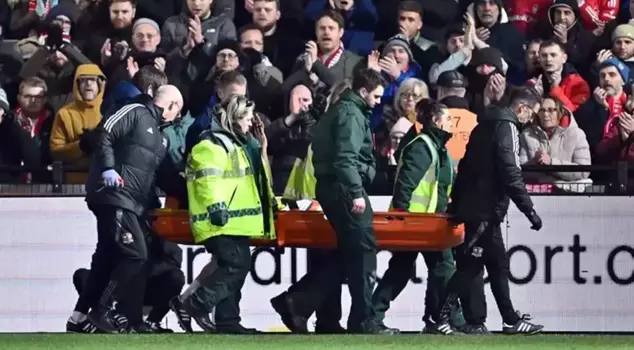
<point>608,179</point>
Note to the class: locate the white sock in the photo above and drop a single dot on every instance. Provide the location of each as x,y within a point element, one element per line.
<point>78,317</point>
<point>190,290</point>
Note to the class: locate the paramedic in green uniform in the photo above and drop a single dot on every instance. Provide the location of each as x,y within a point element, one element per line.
<point>423,183</point>
<point>344,164</point>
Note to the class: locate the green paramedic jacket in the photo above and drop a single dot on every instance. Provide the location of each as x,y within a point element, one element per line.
<point>225,196</point>
<point>424,174</point>
<point>342,144</point>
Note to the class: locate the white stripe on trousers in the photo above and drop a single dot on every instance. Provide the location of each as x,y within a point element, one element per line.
<point>118,115</point>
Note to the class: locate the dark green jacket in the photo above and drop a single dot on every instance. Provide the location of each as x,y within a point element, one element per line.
<point>416,160</point>
<point>176,133</point>
<point>342,144</point>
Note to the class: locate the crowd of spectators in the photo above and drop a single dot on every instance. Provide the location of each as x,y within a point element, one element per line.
<point>66,63</point>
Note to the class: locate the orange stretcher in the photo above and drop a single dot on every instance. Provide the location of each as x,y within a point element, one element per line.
<point>310,229</point>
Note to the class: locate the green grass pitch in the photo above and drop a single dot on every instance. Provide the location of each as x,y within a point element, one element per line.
<point>301,342</point>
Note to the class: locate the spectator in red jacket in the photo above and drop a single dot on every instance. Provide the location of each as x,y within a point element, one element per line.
<point>559,79</point>
<point>618,143</point>
<point>597,116</point>
<point>596,13</point>
<point>526,13</point>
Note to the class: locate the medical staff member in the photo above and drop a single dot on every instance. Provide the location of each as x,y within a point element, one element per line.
<point>230,201</point>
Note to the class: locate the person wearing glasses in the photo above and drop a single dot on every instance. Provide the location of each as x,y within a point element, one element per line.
<point>119,189</point>
<point>489,176</point>
<point>230,201</point>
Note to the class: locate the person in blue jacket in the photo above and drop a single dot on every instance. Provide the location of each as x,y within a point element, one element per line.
<point>396,64</point>
<point>361,19</point>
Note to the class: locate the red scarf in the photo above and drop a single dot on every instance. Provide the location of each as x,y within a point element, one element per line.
<point>30,126</point>
<point>33,6</point>
<point>332,59</point>
<point>615,107</point>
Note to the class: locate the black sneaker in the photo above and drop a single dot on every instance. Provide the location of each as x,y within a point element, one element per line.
<point>372,327</point>
<point>283,305</point>
<point>522,326</point>
<point>187,311</point>
<point>86,326</point>
<point>385,329</point>
<point>445,328</point>
<point>329,328</point>
<point>107,320</point>
<point>156,327</point>
<point>478,329</point>
<point>141,328</point>
<point>183,318</point>
<point>236,329</point>
<point>430,327</point>
<point>119,320</point>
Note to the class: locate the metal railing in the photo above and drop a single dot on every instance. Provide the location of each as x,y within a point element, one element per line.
<point>615,181</point>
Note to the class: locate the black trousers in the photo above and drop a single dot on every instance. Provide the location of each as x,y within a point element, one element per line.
<point>117,266</point>
<point>440,267</point>
<point>319,290</point>
<point>164,282</point>
<point>329,313</point>
<point>222,289</point>
<point>473,302</point>
<point>354,261</point>
<point>483,246</point>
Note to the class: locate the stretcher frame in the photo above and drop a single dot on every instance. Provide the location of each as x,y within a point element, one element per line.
<point>395,231</point>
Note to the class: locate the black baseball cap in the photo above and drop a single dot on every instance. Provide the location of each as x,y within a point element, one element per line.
<point>452,79</point>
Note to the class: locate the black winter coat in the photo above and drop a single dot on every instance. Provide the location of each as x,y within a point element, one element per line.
<point>490,173</point>
<point>131,143</point>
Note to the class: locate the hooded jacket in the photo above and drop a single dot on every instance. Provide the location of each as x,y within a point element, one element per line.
<point>489,174</point>
<point>508,39</point>
<point>73,119</point>
<point>579,41</point>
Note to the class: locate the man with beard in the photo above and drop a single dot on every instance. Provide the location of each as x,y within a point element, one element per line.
<point>489,176</point>
<point>596,115</point>
<point>326,61</point>
<point>559,79</point>
<point>493,27</point>
<point>281,45</point>
<point>531,59</point>
<point>360,21</point>
<point>111,41</point>
<point>344,166</point>
<point>622,48</point>
<point>562,25</point>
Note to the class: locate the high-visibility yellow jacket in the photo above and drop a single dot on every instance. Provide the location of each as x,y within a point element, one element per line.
<point>302,182</point>
<point>225,196</point>
<point>424,182</point>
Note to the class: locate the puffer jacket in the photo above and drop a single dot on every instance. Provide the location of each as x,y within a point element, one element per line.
<point>566,146</point>
<point>131,143</point>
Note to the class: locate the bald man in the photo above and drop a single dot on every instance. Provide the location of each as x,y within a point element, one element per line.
<point>119,189</point>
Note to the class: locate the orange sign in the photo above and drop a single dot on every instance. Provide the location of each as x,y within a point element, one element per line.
<point>463,123</point>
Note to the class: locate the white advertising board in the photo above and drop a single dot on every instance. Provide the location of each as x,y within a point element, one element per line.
<point>577,274</point>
